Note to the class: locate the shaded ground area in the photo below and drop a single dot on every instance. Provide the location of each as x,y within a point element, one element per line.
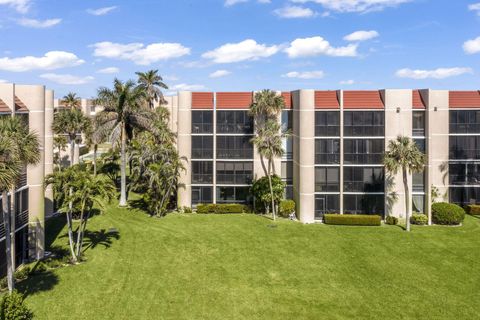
<point>237,267</point>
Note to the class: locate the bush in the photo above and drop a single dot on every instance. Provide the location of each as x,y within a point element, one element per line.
<point>22,273</point>
<point>391,220</point>
<point>3,284</point>
<point>286,208</point>
<point>447,214</point>
<point>419,219</point>
<point>12,307</point>
<point>221,208</point>
<point>473,210</point>
<point>352,219</point>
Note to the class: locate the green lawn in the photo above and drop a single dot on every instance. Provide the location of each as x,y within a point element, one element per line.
<point>239,267</point>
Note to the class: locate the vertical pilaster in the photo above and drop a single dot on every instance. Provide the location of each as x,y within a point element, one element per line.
<point>48,149</point>
<point>340,99</point>
<point>185,147</point>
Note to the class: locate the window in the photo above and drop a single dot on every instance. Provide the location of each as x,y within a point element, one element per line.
<point>363,151</point>
<point>420,144</point>
<point>202,147</point>
<point>465,121</point>
<point>202,195</point>
<point>326,203</point>
<point>363,179</point>
<point>418,203</point>
<point>234,172</point>
<point>234,122</point>
<point>364,123</point>
<point>288,194</point>
<point>464,148</point>
<point>418,182</point>
<point>202,121</point>
<point>202,171</point>
<point>464,173</point>
<point>287,120</point>
<point>21,208</point>
<point>287,145</point>
<point>464,195</point>
<point>327,123</point>
<point>327,179</point>
<point>418,125</point>
<point>234,147</point>
<point>327,151</point>
<point>232,194</point>
<point>287,171</point>
<point>364,204</point>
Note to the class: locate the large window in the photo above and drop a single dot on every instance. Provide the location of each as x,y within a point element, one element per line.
<point>202,121</point>
<point>464,148</point>
<point>327,123</point>
<point>364,123</point>
<point>327,151</point>
<point>232,194</point>
<point>287,171</point>
<point>326,203</point>
<point>363,179</point>
<point>463,174</point>
<point>202,195</point>
<point>234,122</point>
<point>363,204</point>
<point>421,144</point>
<point>234,172</point>
<point>418,203</point>
<point>202,171</point>
<point>418,125</point>
<point>465,121</point>
<point>21,208</point>
<point>234,147</point>
<point>202,147</point>
<point>287,144</point>
<point>418,182</point>
<point>464,195</point>
<point>327,179</point>
<point>287,120</point>
<point>363,151</point>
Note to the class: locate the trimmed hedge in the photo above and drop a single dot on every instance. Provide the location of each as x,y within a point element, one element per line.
<point>286,208</point>
<point>419,219</point>
<point>391,220</point>
<point>447,213</point>
<point>221,208</point>
<point>352,219</point>
<point>473,209</point>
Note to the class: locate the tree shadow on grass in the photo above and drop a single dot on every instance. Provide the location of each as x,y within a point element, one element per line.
<point>38,282</point>
<point>53,228</point>
<point>138,204</point>
<point>104,238</point>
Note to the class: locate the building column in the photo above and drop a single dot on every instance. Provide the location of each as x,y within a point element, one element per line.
<point>340,99</point>
<point>184,144</point>
<point>48,150</point>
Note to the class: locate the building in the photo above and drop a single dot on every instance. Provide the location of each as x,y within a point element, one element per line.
<point>33,202</point>
<point>334,157</point>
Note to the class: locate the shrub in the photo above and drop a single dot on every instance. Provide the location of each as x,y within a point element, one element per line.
<point>286,208</point>
<point>22,273</point>
<point>187,209</point>
<point>419,219</point>
<point>221,208</point>
<point>3,284</point>
<point>391,220</point>
<point>12,307</point>
<point>447,213</point>
<point>352,219</point>
<point>473,210</point>
<point>260,190</point>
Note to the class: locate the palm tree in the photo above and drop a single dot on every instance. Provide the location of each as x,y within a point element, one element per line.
<point>122,113</point>
<point>152,83</point>
<point>59,143</point>
<point>403,154</point>
<point>94,138</point>
<point>71,101</point>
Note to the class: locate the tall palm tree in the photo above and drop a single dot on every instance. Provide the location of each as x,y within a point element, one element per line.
<point>122,113</point>
<point>403,154</point>
<point>71,101</point>
<point>25,151</point>
<point>152,83</point>
<point>94,138</point>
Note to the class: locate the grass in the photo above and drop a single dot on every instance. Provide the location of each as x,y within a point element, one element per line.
<point>240,267</point>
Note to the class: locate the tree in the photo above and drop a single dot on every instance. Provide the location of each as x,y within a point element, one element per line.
<point>261,191</point>
<point>59,143</point>
<point>24,150</point>
<point>403,154</point>
<point>151,82</point>
<point>94,138</point>
<point>122,113</point>
<point>71,101</point>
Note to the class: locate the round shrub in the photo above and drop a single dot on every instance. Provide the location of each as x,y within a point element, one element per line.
<point>12,307</point>
<point>447,213</point>
<point>391,220</point>
<point>419,219</point>
<point>286,208</point>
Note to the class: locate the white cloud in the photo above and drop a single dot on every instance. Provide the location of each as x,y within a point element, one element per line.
<point>139,53</point>
<point>171,78</point>
<point>291,12</point>
<point>3,81</point>
<point>101,11</point>
<point>229,3</point>
<point>475,7</point>
<point>472,46</point>
<point>21,6</point>
<point>109,70</point>
<point>242,51</point>
<point>315,46</point>
<point>361,35</point>
<point>67,79</point>
<point>219,74</point>
<point>39,24</point>
<point>50,61</point>
<point>440,73</point>
<point>188,87</point>
<point>305,75</point>
<point>347,82</point>
<point>360,6</point>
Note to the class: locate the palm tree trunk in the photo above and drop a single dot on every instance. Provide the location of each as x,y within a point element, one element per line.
<point>83,233</point>
<point>70,229</point>
<point>166,195</point>
<point>6,224</point>
<point>13,227</point>
<point>271,189</point>
<point>123,165</point>
<point>80,229</point>
<point>72,151</point>
<point>262,161</point>
<point>407,198</point>
<point>95,147</point>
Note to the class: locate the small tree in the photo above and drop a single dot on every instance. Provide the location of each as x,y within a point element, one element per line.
<point>403,154</point>
<point>262,193</point>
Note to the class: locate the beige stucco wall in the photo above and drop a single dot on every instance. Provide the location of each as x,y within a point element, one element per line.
<point>48,149</point>
<point>184,144</point>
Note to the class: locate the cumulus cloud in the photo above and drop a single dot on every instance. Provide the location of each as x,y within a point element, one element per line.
<point>188,87</point>
<point>315,46</point>
<point>139,53</point>
<point>358,6</point>
<point>50,61</point>
<point>246,50</point>
<point>101,11</point>
<point>219,74</point>
<point>305,75</point>
<point>361,35</point>
<point>440,73</point>
<point>67,79</point>
<point>39,24</point>
<point>21,6</point>
<point>475,7</point>
<point>292,12</point>
<point>347,82</point>
<point>472,46</point>
<point>110,70</point>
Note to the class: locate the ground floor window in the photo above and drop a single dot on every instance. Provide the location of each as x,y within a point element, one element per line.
<point>232,194</point>
<point>288,192</point>
<point>364,204</point>
<point>21,245</point>
<point>464,195</point>
<point>202,195</point>
<point>326,203</point>
<point>418,203</point>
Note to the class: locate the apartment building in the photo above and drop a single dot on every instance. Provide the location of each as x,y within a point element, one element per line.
<point>34,104</point>
<point>333,159</point>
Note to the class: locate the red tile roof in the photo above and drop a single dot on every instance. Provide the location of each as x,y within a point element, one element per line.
<point>417,100</point>
<point>326,100</point>
<point>287,96</point>
<point>234,100</point>
<point>19,105</point>
<point>464,99</point>
<point>202,100</point>
<point>4,107</point>
<point>362,100</point>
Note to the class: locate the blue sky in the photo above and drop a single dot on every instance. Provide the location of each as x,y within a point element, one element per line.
<point>237,45</point>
